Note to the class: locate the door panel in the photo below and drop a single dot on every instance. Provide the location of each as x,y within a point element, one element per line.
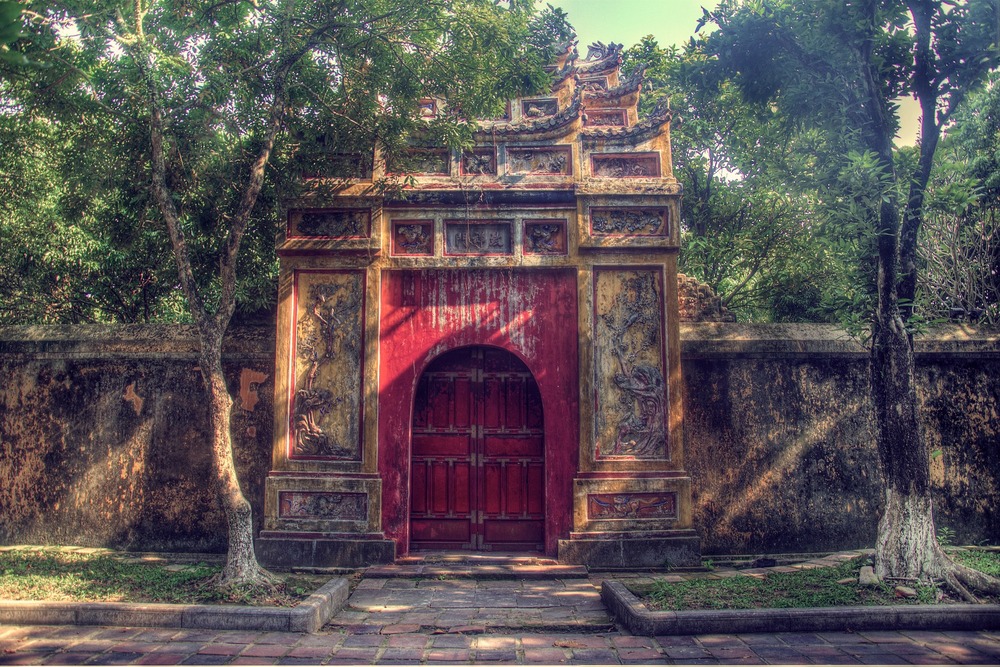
<point>477,474</point>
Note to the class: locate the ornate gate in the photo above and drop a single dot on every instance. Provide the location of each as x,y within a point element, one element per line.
<point>477,473</point>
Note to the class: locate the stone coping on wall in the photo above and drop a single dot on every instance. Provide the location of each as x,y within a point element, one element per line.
<point>128,341</point>
<point>704,340</point>
<point>699,340</point>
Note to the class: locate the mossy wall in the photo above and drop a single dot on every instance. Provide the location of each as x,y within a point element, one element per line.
<point>102,436</point>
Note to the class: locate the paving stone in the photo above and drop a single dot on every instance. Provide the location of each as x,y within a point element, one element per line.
<point>205,660</point>
<point>80,658</point>
<point>264,651</point>
<point>351,653</point>
<point>449,655</point>
<point>545,655</point>
<point>358,641</point>
<point>287,638</point>
<point>115,659</point>
<point>685,652</point>
<point>161,659</point>
<point>639,654</point>
<point>400,629</point>
<point>595,656</point>
<point>883,659</point>
<point>220,649</point>
<point>251,660</point>
<point>178,647</point>
<point>403,654</point>
<point>406,641</point>
<point>496,655</point>
<point>20,658</point>
<point>295,661</point>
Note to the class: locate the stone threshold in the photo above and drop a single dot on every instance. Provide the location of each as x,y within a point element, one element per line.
<point>475,571</point>
<point>308,616</point>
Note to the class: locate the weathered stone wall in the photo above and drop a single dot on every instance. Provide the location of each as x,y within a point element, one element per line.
<point>779,436</point>
<point>102,436</point>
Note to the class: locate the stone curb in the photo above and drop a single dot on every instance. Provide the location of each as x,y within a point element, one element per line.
<point>308,616</point>
<point>631,613</point>
<point>482,572</point>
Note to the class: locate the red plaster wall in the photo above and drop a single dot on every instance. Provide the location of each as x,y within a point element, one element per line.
<point>531,313</point>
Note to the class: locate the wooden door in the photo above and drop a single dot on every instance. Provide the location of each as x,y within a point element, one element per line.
<point>477,474</point>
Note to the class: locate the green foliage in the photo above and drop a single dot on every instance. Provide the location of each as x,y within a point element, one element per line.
<point>81,237</point>
<point>984,560</point>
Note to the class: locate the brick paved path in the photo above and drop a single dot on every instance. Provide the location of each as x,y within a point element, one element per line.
<point>67,645</point>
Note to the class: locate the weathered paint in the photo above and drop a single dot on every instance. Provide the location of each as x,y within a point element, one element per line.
<point>528,313</point>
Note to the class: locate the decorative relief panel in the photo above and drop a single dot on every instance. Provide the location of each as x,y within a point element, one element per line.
<point>545,237</point>
<point>554,160</point>
<point>424,161</point>
<point>628,221</point>
<point>348,223</point>
<point>539,108</point>
<point>491,237</point>
<point>631,506</point>
<point>328,347</point>
<point>629,366</point>
<point>323,505</point>
<point>595,84</point>
<point>413,237</point>
<point>625,165</point>
<point>606,118</point>
<point>480,162</point>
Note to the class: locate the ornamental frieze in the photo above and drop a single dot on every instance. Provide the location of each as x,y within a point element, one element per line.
<point>629,368</point>
<point>333,223</point>
<point>628,221</point>
<point>625,165</point>
<point>553,160</point>
<point>605,118</point>
<point>604,506</point>
<point>323,505</point>
<point>329,339</point>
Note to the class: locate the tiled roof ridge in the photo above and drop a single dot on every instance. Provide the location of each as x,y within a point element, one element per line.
<point>564,117</point>
<point>626,87</point>
<point>660,115</point>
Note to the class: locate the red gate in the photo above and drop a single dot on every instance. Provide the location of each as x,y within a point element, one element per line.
<point>477,475</point>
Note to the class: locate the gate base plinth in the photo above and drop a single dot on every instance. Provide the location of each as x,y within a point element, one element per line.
<point>629,551</point>
<point>277,549</point>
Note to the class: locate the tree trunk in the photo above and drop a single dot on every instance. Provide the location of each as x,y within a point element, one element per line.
<point>241,562</point>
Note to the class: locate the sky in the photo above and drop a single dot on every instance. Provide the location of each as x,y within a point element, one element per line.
<point>670,22</point>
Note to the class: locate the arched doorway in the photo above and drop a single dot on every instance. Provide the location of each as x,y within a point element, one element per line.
<point>477,475</point>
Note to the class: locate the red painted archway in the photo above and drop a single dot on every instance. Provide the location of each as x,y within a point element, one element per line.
<point>530,313</point>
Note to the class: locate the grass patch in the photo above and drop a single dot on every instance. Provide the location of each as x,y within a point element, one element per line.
<point>985,561</point>
<point>817,587</point>
<point>50,574</point>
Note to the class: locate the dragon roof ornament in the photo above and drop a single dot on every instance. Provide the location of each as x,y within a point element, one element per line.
<point>626,87</point>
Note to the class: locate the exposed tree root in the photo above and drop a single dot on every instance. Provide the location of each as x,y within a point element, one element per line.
<point>249,576</point>
<point>961,579</point>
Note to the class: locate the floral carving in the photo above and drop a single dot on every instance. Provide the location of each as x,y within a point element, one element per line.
<point>646,222</point>
<point>323,505</point>
<point>630,325</point>
<point>328,351</point>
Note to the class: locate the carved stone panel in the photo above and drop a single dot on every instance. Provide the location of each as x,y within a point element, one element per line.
<point>552,160</point>
<point>424,162</point>
<point>413,237</point>
<point>604,506</point>
<point>488,237</point>
<point>323,505</point>
<point>594,84</point>
<point>629,221</point>
<point>606,118</point>
<point>539,108</point>
<point>625,165</point>
<point>346,223</point>
<point>629,368</point>
<point>480,162</point>
<point>328,347</point>
<point>545,237</point>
